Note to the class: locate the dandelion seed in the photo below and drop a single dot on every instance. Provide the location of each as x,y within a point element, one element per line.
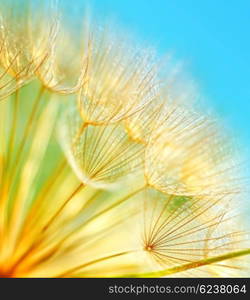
<point>186,155</point>
<point>141,125</point>
<point>101,155</point>
<point>17,62</point>
<point>181,230</point>
<point>166,104</point>
<point>119,80</point>
<point>62,72</point>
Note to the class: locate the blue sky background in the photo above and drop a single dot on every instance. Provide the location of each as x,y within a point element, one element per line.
<point>212,37</point>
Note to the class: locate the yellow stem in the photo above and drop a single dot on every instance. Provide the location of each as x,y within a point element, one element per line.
<point>192,265</point>
<point>4,191</point>
<point>124,199</point>
<point>36,242</point>
<point>43,195</point>
<point>11,171</point>
<point>59,211</point>
<point>73,270</point>
<point>13,129</point>
<point>28,127</point>
<point>115,205</point>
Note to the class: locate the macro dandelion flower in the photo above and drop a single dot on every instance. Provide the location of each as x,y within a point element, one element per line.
<point>104,171</point>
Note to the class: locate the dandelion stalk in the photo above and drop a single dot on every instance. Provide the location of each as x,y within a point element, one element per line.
<point>28,127</point>
<point>57,214</point>
<point>13,128</point>
<point>78,268</point>
<point>101,213</point>
<point>189,266</point>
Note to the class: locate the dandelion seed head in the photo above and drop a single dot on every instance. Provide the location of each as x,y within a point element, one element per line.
<point>120,78</point>
<point>99,155</point>
<point>187,155</point>
<point>177,231</point>
<point>18,62</point>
